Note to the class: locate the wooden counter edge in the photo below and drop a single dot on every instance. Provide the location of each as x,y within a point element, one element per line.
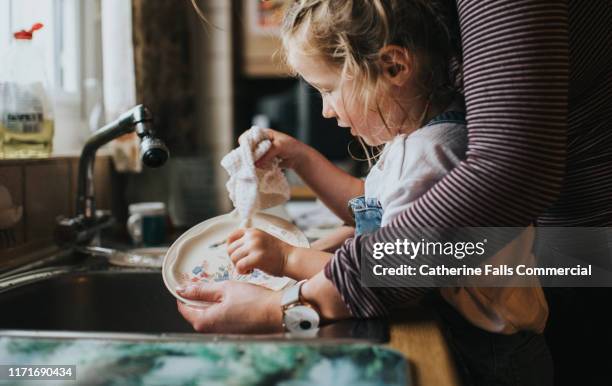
<point>421,342</point>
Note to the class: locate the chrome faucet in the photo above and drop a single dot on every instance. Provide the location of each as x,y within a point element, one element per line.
<point>89,221</point>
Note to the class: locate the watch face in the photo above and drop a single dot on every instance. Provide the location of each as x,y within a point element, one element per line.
<point>301,318</point>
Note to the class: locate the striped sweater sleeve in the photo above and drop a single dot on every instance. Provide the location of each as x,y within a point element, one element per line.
<point>515,74</point>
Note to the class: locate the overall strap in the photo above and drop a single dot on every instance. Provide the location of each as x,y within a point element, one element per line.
<point>448,117</point>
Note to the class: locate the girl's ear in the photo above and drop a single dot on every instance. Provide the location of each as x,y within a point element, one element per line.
<point>396,63</point>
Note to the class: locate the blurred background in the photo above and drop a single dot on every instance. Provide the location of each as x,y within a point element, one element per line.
<point>205,84</point>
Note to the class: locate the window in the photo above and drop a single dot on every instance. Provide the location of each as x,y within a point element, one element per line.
<point>70,45</point>
<point>58,40</point>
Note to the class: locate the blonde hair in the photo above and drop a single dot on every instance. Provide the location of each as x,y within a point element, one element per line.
<point>349,35</point>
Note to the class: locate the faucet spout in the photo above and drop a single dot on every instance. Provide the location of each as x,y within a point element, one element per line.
<point>153,152</point>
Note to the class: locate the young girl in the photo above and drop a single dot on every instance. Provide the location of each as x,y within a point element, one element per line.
<point>392,85</point>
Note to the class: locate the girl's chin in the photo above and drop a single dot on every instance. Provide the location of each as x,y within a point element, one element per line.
<point>372,141</point>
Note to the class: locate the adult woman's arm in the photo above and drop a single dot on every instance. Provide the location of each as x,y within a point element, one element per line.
<point>515,70</point>
<point>247,308</point>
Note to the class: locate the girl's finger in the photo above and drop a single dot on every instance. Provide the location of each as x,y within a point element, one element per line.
<point>246,265</point>
<point>267,157</point>
<point>239,254</point>
<point>231,248</point>
<point>235,235</point>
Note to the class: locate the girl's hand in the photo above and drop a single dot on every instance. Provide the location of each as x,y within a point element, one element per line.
<point>285,147</point>
<point>237,307</point>
<point>252,248</point>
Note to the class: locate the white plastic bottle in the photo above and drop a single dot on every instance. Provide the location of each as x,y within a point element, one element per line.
<point>26,113</point>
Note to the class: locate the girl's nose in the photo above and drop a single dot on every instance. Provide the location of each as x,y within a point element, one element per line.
<point>328,110</point>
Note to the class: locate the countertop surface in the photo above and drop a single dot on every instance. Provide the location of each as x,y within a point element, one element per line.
<point>416,334</point>
<point>116,362</point>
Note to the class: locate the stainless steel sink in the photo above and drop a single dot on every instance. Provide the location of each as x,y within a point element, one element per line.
<point>70,294</point>
<point>116,300</point>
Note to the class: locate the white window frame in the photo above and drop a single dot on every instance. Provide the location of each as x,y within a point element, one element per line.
<point>83,61</point>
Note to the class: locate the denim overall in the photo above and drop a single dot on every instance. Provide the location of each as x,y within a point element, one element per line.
<point>367,211</point>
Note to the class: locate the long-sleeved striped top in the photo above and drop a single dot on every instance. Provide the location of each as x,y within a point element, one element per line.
<point>537,79</point>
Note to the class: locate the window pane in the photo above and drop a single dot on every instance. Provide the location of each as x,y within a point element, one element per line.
<point>69,46</point>
<point>27,12</point>
<point>5,25</point>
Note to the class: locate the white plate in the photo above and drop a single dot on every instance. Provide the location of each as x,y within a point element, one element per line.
<point>199,255</point>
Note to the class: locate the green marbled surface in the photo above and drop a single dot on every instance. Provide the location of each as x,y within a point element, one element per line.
<point>125,363</point>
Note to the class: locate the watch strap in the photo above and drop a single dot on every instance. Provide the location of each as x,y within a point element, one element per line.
<point>292,295</point>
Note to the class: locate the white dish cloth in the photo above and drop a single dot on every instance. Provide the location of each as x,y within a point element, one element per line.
<point>251,188</point>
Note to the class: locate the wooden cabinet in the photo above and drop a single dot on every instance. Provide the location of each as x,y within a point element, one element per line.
<point>260,30</point>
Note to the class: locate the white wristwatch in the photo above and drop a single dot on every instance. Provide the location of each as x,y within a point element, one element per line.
<point>298,317</point>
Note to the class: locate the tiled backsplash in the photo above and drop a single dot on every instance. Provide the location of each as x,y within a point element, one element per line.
<point>46,189</point>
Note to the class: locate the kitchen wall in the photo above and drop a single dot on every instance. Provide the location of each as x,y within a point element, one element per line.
<point>213,67</point>
<point>44,189</point>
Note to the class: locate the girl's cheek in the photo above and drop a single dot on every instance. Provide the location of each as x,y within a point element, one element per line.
<point>349,114</point>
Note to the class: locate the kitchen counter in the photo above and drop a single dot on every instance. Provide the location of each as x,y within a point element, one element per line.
<point>139,362</point>
<point>419,356</point>
<point>419,338</point>
<point>424,360</point>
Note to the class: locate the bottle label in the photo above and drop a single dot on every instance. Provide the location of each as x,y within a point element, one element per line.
<point>24,123</point>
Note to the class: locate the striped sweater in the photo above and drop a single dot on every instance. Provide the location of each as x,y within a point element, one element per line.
<point>537,79</point>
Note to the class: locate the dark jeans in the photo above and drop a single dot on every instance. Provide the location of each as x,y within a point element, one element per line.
<point>483,358</point>
<point>579,334</point>
<point>579,329</point>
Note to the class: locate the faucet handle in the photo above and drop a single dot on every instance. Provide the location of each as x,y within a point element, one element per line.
<point>81,230</point>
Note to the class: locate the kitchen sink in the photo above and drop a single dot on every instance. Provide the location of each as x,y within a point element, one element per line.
<point>98,298</point>
<point>117,301</point>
